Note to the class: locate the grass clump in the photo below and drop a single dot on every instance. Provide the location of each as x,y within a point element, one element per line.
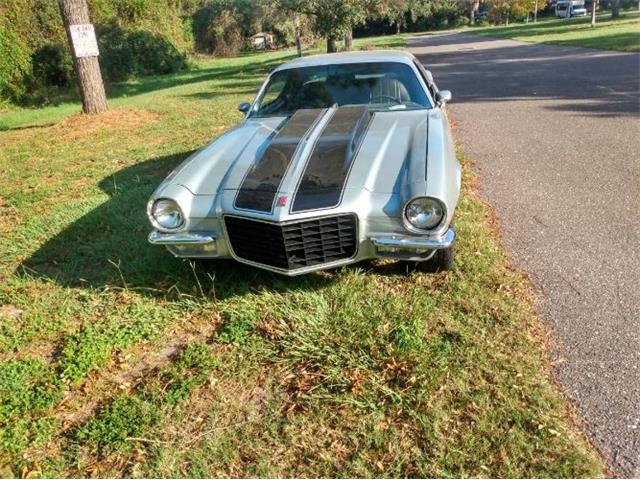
<point>608,34</point>
<point>119,423</point>
<point>28,389</point>
<point>190,370</point>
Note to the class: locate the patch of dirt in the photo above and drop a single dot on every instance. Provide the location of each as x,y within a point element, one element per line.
<point>82,125</point>
<point>9,311</point>
<point>8,216</point>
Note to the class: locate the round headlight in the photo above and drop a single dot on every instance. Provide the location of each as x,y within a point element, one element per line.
<point>424,213</point>
<point>167,214</point>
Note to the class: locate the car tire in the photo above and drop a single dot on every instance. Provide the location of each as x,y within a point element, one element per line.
<point>441,261</point>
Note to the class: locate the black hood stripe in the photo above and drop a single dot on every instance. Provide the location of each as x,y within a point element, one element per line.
<point>263,179</point>
<point>328,167</point>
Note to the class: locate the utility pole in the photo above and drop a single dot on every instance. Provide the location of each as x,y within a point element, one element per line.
<point>594,5</point>
<point>296,22</point>
<point>84,49</point>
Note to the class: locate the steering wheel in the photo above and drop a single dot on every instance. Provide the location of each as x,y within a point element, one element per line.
<point>388,97</point>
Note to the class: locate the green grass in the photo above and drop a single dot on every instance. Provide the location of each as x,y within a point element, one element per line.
<point>622,34</point>
<point>128,362</point>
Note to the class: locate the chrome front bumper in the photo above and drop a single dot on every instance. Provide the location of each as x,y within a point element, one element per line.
<point>158,238</point>
<point>406,247</point>
<point>401,247</point>
<point>189,245</point>
<point>416,243</point>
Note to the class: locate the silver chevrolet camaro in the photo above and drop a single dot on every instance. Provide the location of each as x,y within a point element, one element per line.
<point>339,158</point>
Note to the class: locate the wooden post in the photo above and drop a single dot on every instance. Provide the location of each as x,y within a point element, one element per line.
<point>75,14</point>
<point>296,22</point>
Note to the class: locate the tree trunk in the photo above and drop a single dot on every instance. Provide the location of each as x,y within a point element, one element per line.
<point>475,6</point>
<point>296,21</point>
<point>348,41</point>
<point>594,5</point>
<point>331,44</point>
<point>535,12</point>
<point>615,9</point>
<point>94,100</point>
<point>398,26</point>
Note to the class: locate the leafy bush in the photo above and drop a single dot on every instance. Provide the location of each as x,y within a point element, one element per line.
<point>217,31</point>
<point>52,66</point>
<point>139,53</point>
<point>15,65</point>
<point>438,14</point>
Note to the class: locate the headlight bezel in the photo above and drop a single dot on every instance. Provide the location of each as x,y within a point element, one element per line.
<point>431,229</point>
<point>151,213</point>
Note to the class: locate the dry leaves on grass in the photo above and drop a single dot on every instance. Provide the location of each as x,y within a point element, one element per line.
<point>81,125</point>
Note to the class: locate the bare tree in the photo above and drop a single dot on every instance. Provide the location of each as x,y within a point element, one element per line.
<point>75,14</point>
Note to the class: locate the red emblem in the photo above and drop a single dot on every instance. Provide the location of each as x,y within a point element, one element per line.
<point>282,200</point>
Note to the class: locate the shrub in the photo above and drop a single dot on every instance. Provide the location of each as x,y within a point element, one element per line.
<point>15,65</point>
<point>129,54</point>
<point>52,66</point>
<point>217,31</point>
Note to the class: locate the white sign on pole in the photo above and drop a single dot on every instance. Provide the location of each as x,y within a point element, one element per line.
<point>84,40</point>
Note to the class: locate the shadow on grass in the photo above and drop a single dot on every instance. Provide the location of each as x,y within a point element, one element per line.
<point>222,92</point>
<point>108,247</point>
<point>221,70</point>
<point>236,70</point>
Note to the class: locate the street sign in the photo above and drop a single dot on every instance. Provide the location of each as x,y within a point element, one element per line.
<point>84,40</point>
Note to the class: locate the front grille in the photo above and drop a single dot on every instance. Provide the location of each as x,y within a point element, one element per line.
<point>293,245</point>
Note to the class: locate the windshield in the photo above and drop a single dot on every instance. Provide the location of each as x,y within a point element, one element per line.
<point>378,86</point>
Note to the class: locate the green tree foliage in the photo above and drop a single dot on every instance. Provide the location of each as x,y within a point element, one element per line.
<point>331,19</point>
<point>505,10</point>
<point>25,26</point>
<point>394,11</point>
<point>138,53</point>
<point>143,37</point>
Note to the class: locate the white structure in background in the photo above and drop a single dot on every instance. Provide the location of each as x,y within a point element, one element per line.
<point>263,41</point>
<point>570,8</point>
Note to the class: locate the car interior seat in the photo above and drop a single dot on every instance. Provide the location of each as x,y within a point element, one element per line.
<point>387,88</point>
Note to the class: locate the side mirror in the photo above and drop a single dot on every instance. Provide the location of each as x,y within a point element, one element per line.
<point>244,107</point>
<point>443,96</point>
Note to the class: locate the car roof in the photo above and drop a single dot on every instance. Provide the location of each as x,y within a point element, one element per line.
<point>349,57</point>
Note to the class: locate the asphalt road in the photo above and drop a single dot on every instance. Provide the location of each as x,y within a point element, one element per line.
<point>555,134</point>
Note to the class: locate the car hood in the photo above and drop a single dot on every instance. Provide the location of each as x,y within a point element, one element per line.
<point>312,155</point>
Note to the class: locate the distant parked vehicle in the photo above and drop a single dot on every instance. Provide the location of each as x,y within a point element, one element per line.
<point>570,8</point>
<point>263,41</point>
